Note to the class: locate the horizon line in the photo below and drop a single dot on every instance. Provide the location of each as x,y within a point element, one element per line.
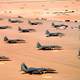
<point>35,1</point>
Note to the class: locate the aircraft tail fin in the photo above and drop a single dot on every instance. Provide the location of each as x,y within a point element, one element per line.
<point>24,67</point>
<point>19,28</point>
<point>47,32</point>
<point>38,45</point>
<point>29,21</point>
<point>53,24</point>
<point>5,38</point>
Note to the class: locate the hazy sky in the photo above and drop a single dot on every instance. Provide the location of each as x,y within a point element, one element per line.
<point>31,0</point>
<point>23,0</point>
<point>34,0</point>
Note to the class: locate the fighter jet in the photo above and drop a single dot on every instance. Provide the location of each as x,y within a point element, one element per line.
<point>4,27</point>
<point>35,22</point>
<point>26,30</point>
<point>49,34</point>
<point>59,26</point>
<point>33,70</point>
<point>4,58</point>
<point>13,40</point>
<point>15,21</point>
<point>48,47</point>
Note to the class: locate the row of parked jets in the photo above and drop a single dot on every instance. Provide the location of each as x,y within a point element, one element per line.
<point>24,67</point>
<point>39,46</point>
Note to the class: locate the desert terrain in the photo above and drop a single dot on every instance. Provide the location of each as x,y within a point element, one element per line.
<point>66,61</point>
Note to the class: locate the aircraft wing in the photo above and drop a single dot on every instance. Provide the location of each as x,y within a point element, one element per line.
<point>36,69</point>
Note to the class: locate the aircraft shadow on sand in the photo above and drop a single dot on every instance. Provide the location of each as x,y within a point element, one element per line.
<point>33,70</point>
<point>13,41</point>
<point>48,47</point>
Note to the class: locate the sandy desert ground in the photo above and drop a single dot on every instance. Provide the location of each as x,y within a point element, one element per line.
<point>65,62</point>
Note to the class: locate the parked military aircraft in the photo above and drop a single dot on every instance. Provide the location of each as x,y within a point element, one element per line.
<point>32,70</point>
<point>4,58</point>
<point>15,21</point>
<point>26,30</point>
<point>48,47</point>
<point>59,26</point>
<point>48,34</point>
<point>4,27</point>
<point>34,22</point>
<point>13,40</point>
